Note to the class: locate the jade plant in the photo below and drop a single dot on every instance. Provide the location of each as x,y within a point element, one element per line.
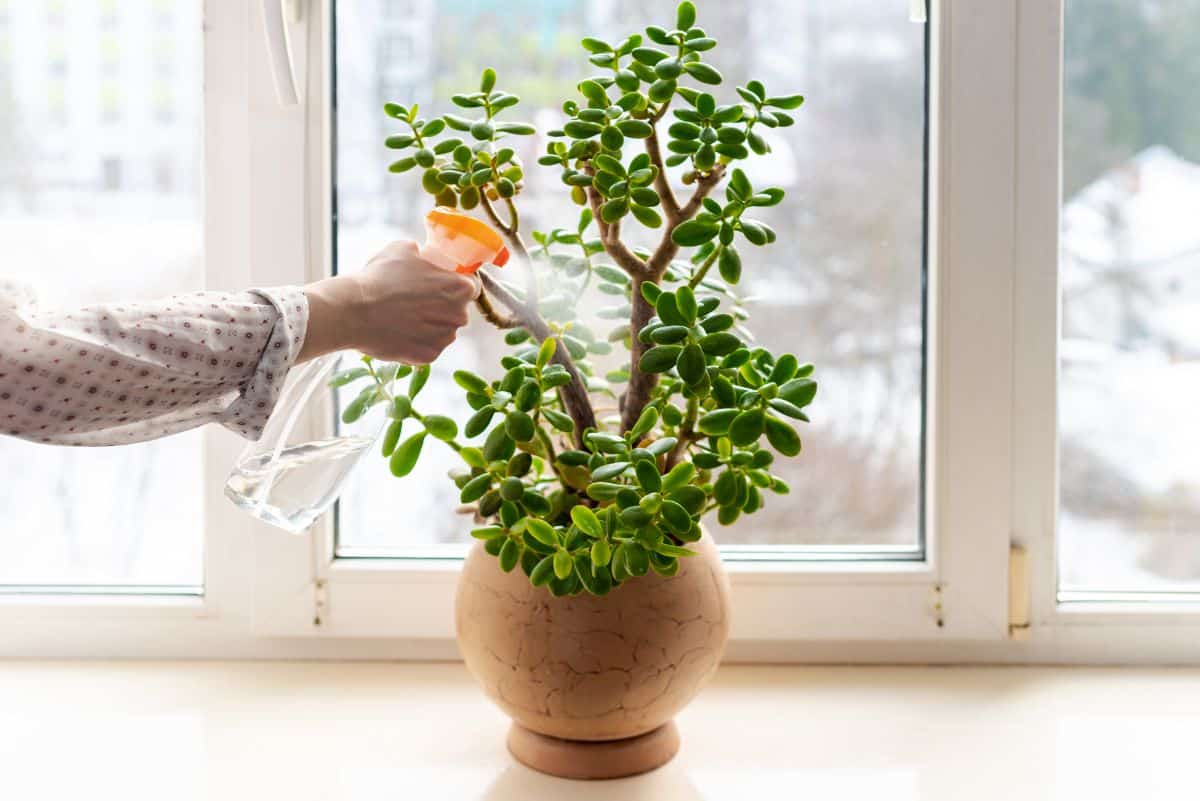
<point>580,497</point>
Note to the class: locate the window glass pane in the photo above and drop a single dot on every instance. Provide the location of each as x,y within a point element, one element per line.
<point>100,199</point>
<point>1130,273</point>
<point>842,287</point>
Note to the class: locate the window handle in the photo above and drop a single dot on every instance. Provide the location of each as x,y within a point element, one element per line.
<point>279,46</point>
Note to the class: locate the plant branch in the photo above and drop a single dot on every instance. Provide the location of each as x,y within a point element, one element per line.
<point>574,395</point>
<point>610,235</point>
<point>687,432</point>
<point>512,234</point>
<point>662,184</point>
<point>493,315</point>
<point>702,270</point>
<point>667,249</point>
<point>641,385</point>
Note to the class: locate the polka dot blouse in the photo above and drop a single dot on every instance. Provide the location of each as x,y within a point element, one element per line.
<point>119,373</point>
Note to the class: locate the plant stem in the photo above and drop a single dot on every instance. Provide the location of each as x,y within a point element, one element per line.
<point>641,384</point>
<point>574,395</point>
<point>420,418</point>
<point>700,273</point>
<point>687,433</point>
<point>492,315</point>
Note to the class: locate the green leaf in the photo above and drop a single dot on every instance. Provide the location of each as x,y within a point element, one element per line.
<point>725,488</point>
<point>691,498</point>
<point>586,520</point>
<point>546,352</point>
<point>542,572</point>
<point>611,470</point>
<point>691,363</point>
<point>704,73</point>
<point>740,184</point>
<point>478,422</point>
<point>347,376</point>
<point>519,425</point>
<point>498,444</point>
<point>474,489</point>
<point>392,437</point>
<point>473,457</point>
<point>648,476</point>
<point>647,420</point>
<point>563,564</point>
<point>636,129</point>
<point>799,391</point>
<point>782,437</point>
<point>659,359</point>
<point>595,45</point>
<point>661,90</point>
<point>512,488</point>
<point>488,82</point>
<point>685,301</point>
<point>487,532</point>
<point>667,549</point>
<point>636,559</point>
<point>603,491</point>
<point>695,232</point>
<point>680,475</point>
<point>601,551</point>
<point>669,334</point>
<point>754,231</point>
<point>404,458</point>
<point>646,216</point>
<point>613,210</point>
<point>420,376</point>
<point>510,554</point>
<point>787,102</point>
<point>541,531</point>
<point>648,55</point>
<point>720,343</point>
<point>651,292</point>
<point>729,264</point>
<point>358,407</point>
<point>716,423</point>
<point>747,427</point>
<point>559,420</point>
<point>676,517</point>
<point>520,464</point>
<point>685,16</point>
<point>577,129</point>
<point>440,427</point>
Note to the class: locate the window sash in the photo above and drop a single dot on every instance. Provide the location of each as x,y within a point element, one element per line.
<point>993,316</point>
<point>959,589</point>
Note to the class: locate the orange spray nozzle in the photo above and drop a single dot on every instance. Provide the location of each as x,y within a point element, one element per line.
<point>459,242</point>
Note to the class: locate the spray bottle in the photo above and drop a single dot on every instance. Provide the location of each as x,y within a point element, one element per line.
<point>293,473</point>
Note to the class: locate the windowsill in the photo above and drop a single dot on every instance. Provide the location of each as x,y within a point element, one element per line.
<point>356,730</point>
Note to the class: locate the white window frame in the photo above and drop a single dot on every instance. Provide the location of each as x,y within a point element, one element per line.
<point>994,158</point>
<point>959,592</point>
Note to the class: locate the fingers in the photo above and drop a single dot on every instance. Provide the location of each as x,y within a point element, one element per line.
<point>476,284</point>
<point>402,249</point>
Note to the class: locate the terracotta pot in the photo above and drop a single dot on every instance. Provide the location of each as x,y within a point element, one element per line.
<point>581,676</point>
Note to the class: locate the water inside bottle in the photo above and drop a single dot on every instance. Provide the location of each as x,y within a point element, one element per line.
<point>293,490</point>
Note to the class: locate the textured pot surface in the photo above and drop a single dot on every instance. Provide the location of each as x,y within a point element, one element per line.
<point>588,668</point>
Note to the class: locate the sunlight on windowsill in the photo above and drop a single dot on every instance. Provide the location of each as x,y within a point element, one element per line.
<point>355,730</point>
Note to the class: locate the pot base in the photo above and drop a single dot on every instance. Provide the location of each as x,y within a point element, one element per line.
<point>584,759</point>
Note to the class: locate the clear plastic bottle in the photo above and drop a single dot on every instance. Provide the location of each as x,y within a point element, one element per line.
<point>292,474</point>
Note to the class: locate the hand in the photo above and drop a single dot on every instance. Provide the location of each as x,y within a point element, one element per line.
<point>399,308</point>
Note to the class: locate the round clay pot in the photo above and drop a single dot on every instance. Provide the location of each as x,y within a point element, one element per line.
<point>584,671</point>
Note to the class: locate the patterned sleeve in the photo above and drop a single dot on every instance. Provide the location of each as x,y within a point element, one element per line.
<point>118,373</point>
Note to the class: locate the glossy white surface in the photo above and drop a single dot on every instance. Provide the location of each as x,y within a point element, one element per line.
<point>175,731</point>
